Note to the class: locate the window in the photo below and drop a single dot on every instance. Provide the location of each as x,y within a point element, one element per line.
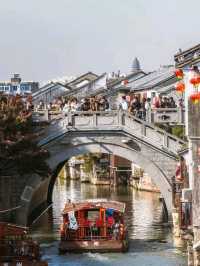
<point>14,88</point>
<point>25,87</point>
<point>93,215</point>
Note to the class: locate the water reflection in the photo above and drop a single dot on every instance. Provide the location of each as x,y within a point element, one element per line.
<point>150,240</point>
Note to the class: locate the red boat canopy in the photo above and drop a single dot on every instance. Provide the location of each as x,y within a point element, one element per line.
<point>94,204</point>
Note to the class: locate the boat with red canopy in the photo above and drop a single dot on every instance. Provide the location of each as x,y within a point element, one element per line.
<point>93,225</point>
<point>17,248</point>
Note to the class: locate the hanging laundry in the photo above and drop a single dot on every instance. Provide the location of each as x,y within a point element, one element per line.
<point>72,221</point>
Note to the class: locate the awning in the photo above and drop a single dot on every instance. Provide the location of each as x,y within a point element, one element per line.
<point>94,204</point>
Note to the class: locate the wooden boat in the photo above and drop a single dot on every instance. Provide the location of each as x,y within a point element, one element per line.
<point>17,248</point>
<point>93,226</point>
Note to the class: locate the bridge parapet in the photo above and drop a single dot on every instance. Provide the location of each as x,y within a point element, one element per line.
<point>158,115</point>
<point>114,121</point>
<point>117,120</point>
<point>166,115</point>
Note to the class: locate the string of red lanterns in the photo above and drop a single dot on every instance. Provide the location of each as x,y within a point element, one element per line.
<point>195,95</point>
<point>195,81</point>
<point>180,85</point>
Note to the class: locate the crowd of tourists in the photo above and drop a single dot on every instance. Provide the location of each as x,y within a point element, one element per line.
<point>134,104</point>
<point>96,103</point>
<point>139,107</point>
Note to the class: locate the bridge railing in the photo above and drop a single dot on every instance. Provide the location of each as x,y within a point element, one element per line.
<point>41,115</point>
<point>166,115</point>
<point>152,134</point>
<point>118,120</point>
<point>158,115</point>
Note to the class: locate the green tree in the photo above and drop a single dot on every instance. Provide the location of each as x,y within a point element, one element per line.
<point>19,152</point>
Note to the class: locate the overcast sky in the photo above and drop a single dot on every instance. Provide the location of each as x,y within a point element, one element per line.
<point>45,39</point>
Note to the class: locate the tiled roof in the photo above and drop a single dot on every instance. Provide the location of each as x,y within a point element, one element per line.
<point>153,79</point>
<point>89,76</point>
<point>75,90</point>
<point>48,87</point>
<point>188,57</point>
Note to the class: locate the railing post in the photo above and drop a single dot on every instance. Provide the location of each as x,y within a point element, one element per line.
<point>46,114</point>
<point>149,115</point>
<point>179,110</point>
<point>143,129</point>
<point>94,120</point>
<point>120,118</point>
<point>123,118</point>
<point>182,115</point>
<point>165,140</point>
<point>71,121</point>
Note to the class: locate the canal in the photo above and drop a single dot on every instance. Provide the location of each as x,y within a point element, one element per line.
<point>151,241</point>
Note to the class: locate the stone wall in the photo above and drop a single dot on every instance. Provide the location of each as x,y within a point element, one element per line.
<point>11,188</point>
<point>11,194</point>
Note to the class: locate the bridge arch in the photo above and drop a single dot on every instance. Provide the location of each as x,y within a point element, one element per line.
<point>41,190</point>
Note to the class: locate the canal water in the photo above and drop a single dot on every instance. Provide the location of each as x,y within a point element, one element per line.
<point>151,242</point>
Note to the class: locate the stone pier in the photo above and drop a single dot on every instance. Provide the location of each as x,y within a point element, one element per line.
<point>141,180</point>
<point>85,176</point>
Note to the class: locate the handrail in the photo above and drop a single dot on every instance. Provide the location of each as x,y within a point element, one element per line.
<point>156,128</point>
<point>153,110</point>
<point>157,115</point>
<point>130,116</point>
<point>104,231</point>
<point>167,109</point>
<point>166,115</point>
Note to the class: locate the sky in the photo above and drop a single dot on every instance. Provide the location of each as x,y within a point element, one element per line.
<point>46,39</point>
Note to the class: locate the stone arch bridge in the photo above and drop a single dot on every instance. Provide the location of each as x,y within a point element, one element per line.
<point>111,132</point>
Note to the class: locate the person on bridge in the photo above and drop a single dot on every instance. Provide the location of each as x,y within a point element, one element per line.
<point>66,108</point>
<point>123,104</point>
<point>74,105</point>
<point>85,106</point>
<point>172,103</point>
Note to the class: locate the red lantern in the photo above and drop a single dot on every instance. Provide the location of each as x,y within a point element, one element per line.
<point>198,79</point>
<point>195,81</point>
<point>179,73</point>
<point>195,97</point>
<point>180,87</point>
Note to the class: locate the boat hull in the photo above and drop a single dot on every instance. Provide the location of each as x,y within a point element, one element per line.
<point>100,246</point>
